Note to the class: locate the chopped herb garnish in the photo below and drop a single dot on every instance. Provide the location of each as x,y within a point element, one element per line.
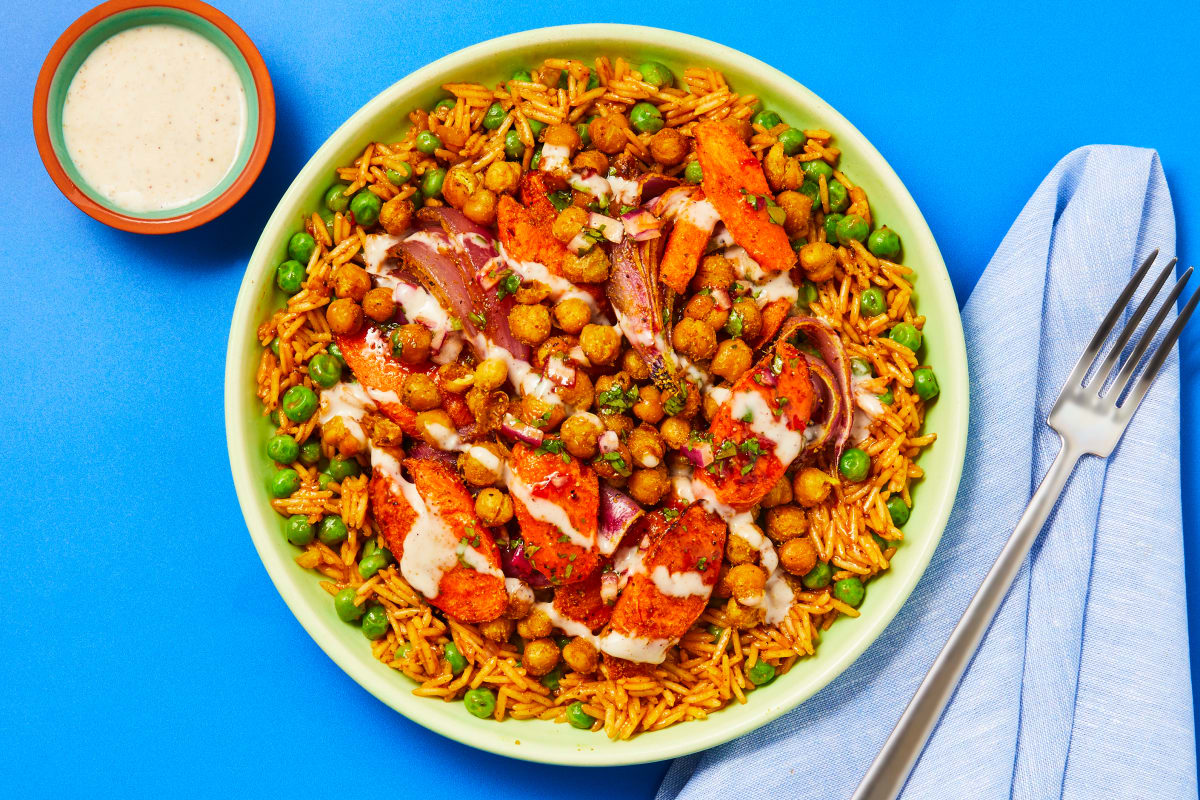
<point>615,400</point>
<point>555,446</point>
<point>479,319</point>
<point>593,235</point>
<point>674,404</point>
<point>564,538</point>
<point>777,364</point>
<point>702,563</point>
<point>455,324</point>
<point>572,556</point>
<point>530,549</point>
<point>509,283</point>
<point>776,214</point>
<point>748,416</point>
<point>624,209</point>
<point>670,513</point>
<point>726,450</point>
<point>617,462</point>
<point>749,466</point>
<point>560,199</point>
<point>735,324</point>
<point>751,447</point>
<point>542,421</point>
<point>567,571</point>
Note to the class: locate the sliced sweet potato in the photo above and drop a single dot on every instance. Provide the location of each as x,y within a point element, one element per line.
<point>773,315</point>
<point>525,238</point>
<point>569,488</point>
<point>693,544</point>
<point>618,668</point>
<point>535,190</point>
<point>582,603</point>
<point>685,248</point>
<point>752,462</point>
<point>734,183</point>
<point>464,593</point>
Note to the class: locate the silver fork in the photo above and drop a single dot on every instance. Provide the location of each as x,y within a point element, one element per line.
<point>1088,419</point>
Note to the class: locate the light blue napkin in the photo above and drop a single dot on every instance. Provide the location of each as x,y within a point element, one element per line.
<point>1082,687</point>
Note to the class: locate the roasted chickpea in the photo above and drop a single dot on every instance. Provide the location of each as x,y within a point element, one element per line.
<point>781,172</point>
<point>535,626</point>
<point>580,394</point>
<point>540,656</point>
<point>581,434</point>
<point>646,445</point>
<point>411,343</point>
<point>601,343</point>
<point>608,134</point>
<point>798,556</point>
<point>541,414</point>
<point>344,316</point>
<point>497,630</point>
<point>531,292</point>
<point>780,493</point>
<point>379,305</point>
<point>396,215</point>
<point>616,466</point>
<point>649,408</point>
<point>481,464</point>
<point>751,318</point>
<point>490,374</point>
<point>635,364</point>
<point>721,588</point>
<point>455,378</point>
<point>810,487</point>
<point>797,208</point>
<point>710,406</point>
<point>352,281</point>
<point>581,655</point>
<point>620,424</point>
<point>746,582</point>
<point>694,339</point>
<point>494,507</point>
<point>649,486</point>
<point>668,146</point>
<point>590,267</point>
<point>572,314</point>
<point>675,431</point>
<point>739,551</point>
<point>732,359</point>
<point>742,617</point>
<point>384,432</point>
<point>593,160</point>
<point>520,596</point>
<point>562,135</point>
<point>691,402</point>
<point>458,185</point>
<point>488,408</point>
<point>529,324</point>
<point>714,272</point>
<point>420,392</point>
<point>480,207</point>
<point>606,382</point>
<point>559,346</point>
<point>786,522</point>
<point>434,427</point>
<point>501,177</point>
<point>742,127</point>
<point>335,434</point>
<point>569,223</point>
<point>818,260</point>
<point>704,308</point>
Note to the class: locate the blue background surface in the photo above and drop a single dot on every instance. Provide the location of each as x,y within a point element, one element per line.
<point>142,645</point>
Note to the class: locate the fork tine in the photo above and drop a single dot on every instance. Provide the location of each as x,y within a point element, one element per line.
<point>1110,319</point>
<point>1131,363</point>
<point>1114,354</point>
<point>1158,359</point>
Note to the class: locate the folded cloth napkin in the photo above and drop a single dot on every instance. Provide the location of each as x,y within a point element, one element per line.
<point>1082,687</point>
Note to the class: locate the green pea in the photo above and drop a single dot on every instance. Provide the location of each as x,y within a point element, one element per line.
<point>375,623</point>
<point>872,303</point>
<point>300,247</point>
<point>283,448</point>
<point>593,81</point>
<point>298,530</point>
<point>818,577</point>
<point>585,136</point>
<point>767,119</point>
<point>536,126</point>
<point>455,658</point>
<point>494,117</point>
<point>289,276</point>
<point>854,464</point>
<point>656,74</point>
<point>522,75</point>
<point>336,352</point>
<point>761,673</point>
<point>310,453</point>
<point>850,591</point>
<point>715,631</point>
<point>480,702</point>
<point>401,652</point>
<point>887,398</point>
<point>831,223</point>
<point>884,243</point>
<point>371,564</point>
<point>839,198</point>
<point>443,103</point>
<point>905,333</point>
<point>416,198</point>
<point>342,468</point>
<point>808,293</point>
<point>815,169</point>
<point>343,604</point>
<point>925,383</point>
<point>365,206</point>
<point>851,227</point>
<point>860,366</point>
<point>336,199</point>
<point>882,543</point>
<point>428,142</point>
<point>299,403</point>
<point>332,531</point>
<point>537,159</point>
<point>401,174</point>
<point>812,191</point>
<point>552,678</point>
<point>578,717</point>
<point>327,217</point>
<point>324,479</point>
<point>645,118</point>
<point>514,148</point>
<point>898,511</point>
<point>692,173</point>
<point>325,370</point>
<point>792,140</point>
<point>274,415</point>
<point>275,349</point>
<point>284,483</point>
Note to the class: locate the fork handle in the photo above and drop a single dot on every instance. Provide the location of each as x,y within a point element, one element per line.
<point>890,769</point>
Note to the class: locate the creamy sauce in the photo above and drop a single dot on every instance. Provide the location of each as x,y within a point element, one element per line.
<point>620,645</point>
<point>349,402</point>
<point>595,185</point>
<point>626,191</point>
<point>154,118</point>
<point>375,251</point>
<point>554,158</point>
<point>546,511</point>
<point>767,425</point>
<point>560,288</point>
<point>699,214</point>
<point>680,584</point>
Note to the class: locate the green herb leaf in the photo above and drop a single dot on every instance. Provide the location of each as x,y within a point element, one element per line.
<point>702,563</point>
<point>735,324</point>
<point>615,400</point>
<point>670,513</point>
<point>776,214</point>
<point>479,319</point>
<point>509,283</point>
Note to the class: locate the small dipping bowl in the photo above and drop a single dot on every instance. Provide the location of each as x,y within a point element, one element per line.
<point>97,26</point>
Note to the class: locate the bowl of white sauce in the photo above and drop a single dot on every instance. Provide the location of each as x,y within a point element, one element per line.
<point>154,116</point>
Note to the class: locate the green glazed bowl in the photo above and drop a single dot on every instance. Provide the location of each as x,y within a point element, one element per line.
<point>488,63</point>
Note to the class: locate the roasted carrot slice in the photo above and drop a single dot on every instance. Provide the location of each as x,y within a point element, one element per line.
<point>773,315</point>
<point>525,238</point>
<point>689,237</point>
<point>734,182</point>
<point>685,559</point>
<point>759,430</point>
<point>451,526</point>
<point>535,189</point>
<point>582,602</point>
<point>557,505</point>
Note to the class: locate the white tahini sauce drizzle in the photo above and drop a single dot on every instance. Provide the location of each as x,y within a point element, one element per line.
<point>680,584</point>
<point>560,288</point>
<point>546,511</point>
<point>767,425</point>
<point>632,648</point>
<point>700,214</point>
<point>350,402</point>
<point>375,251</point>
<point>555,158</point>
<point>625,191</point>
<point>868,408</point>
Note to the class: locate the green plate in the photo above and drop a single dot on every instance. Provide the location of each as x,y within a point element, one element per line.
<point>247,430</point>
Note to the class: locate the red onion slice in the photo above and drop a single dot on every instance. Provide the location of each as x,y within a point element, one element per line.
<point>514,428</point>
<point>699,453</point>
<point>618,513</point>
<point>608,227</point>
<point>516,564</point>
<point>641,225</point>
